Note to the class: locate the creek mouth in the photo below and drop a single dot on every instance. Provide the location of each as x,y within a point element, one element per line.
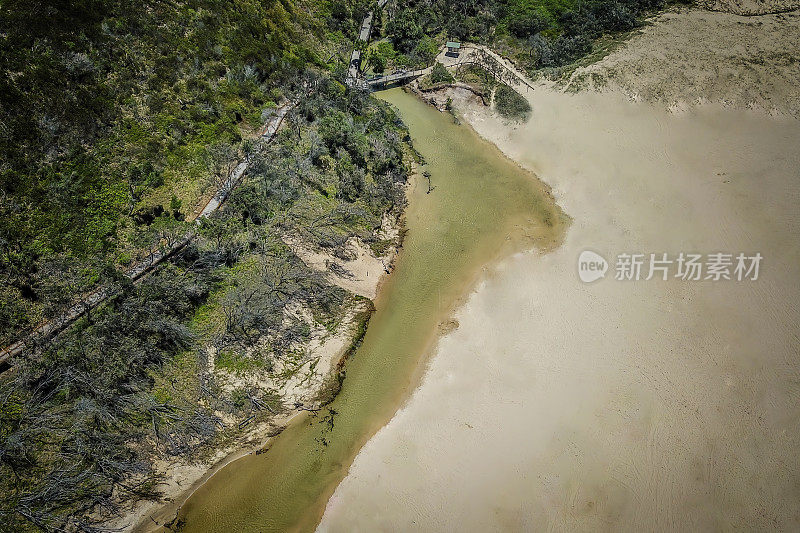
<point>482,207</point>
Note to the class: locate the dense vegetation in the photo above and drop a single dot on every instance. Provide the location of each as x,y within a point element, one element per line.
<point>537,33</point>
<point>112,111</point>
<point>115,120</point>
<point>136,369</point>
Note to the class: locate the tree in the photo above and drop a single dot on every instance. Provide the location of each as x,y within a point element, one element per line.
<point>404,30</point>
<point>376,62</point>
<point>526,18</point>
<point>221,160</point>
<point>439,74</point>
<point>336,130</point>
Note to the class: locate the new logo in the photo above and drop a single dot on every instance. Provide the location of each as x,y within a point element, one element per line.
<point>591,266</point>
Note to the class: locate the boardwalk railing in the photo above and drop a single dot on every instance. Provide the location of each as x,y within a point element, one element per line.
<point>396,77</point>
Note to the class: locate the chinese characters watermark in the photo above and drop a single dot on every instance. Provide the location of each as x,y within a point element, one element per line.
<point>662,266</point>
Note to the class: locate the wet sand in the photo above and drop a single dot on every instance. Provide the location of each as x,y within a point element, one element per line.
<point>644,405</point>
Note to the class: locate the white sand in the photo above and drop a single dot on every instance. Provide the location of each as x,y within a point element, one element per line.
<point>361,275</point>
<point>750,7</point>
<point>364,272</point>
<point>619,405</point>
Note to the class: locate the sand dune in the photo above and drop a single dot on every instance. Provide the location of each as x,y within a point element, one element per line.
<point>690,56</point>
<point>644,405</point>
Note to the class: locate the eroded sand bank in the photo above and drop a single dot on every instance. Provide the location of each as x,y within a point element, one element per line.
<point>643,405</point>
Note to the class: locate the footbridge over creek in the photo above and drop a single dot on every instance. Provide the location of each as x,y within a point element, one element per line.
<point>400,76</point>
<point>497,66</point>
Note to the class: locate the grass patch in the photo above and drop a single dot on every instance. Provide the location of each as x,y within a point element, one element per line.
<point>176,381</point>
<point>237,362</point>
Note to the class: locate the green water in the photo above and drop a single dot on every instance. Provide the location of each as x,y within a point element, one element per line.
<point>483,207</point>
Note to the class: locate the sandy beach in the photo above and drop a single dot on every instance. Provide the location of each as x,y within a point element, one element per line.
<point>633,405</point>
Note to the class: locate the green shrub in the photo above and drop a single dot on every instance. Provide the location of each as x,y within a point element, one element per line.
<point>510,104</point>
<point>439,74</point>
<point>382,54</point>
<point>426,49</point>
<point>377,62</point>
<point>527,18</point>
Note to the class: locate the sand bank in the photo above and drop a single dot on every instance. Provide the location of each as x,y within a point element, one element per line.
<point>300,383</point>
<point>644,405</point>
<point>299,391</point>
<point>361,274</point>
<point>688,57</point>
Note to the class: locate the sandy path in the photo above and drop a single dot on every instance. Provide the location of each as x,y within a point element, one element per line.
<point>619,405</point>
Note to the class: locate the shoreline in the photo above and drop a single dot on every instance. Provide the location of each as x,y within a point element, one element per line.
<point>446,321</point>
<point>444,324</point>
<point>530,219</point>
<point>151,516</point>
<point>167,513</point>
<point>254,442</point>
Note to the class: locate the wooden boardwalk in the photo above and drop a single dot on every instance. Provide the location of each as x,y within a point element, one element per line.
<point>164,251</point>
